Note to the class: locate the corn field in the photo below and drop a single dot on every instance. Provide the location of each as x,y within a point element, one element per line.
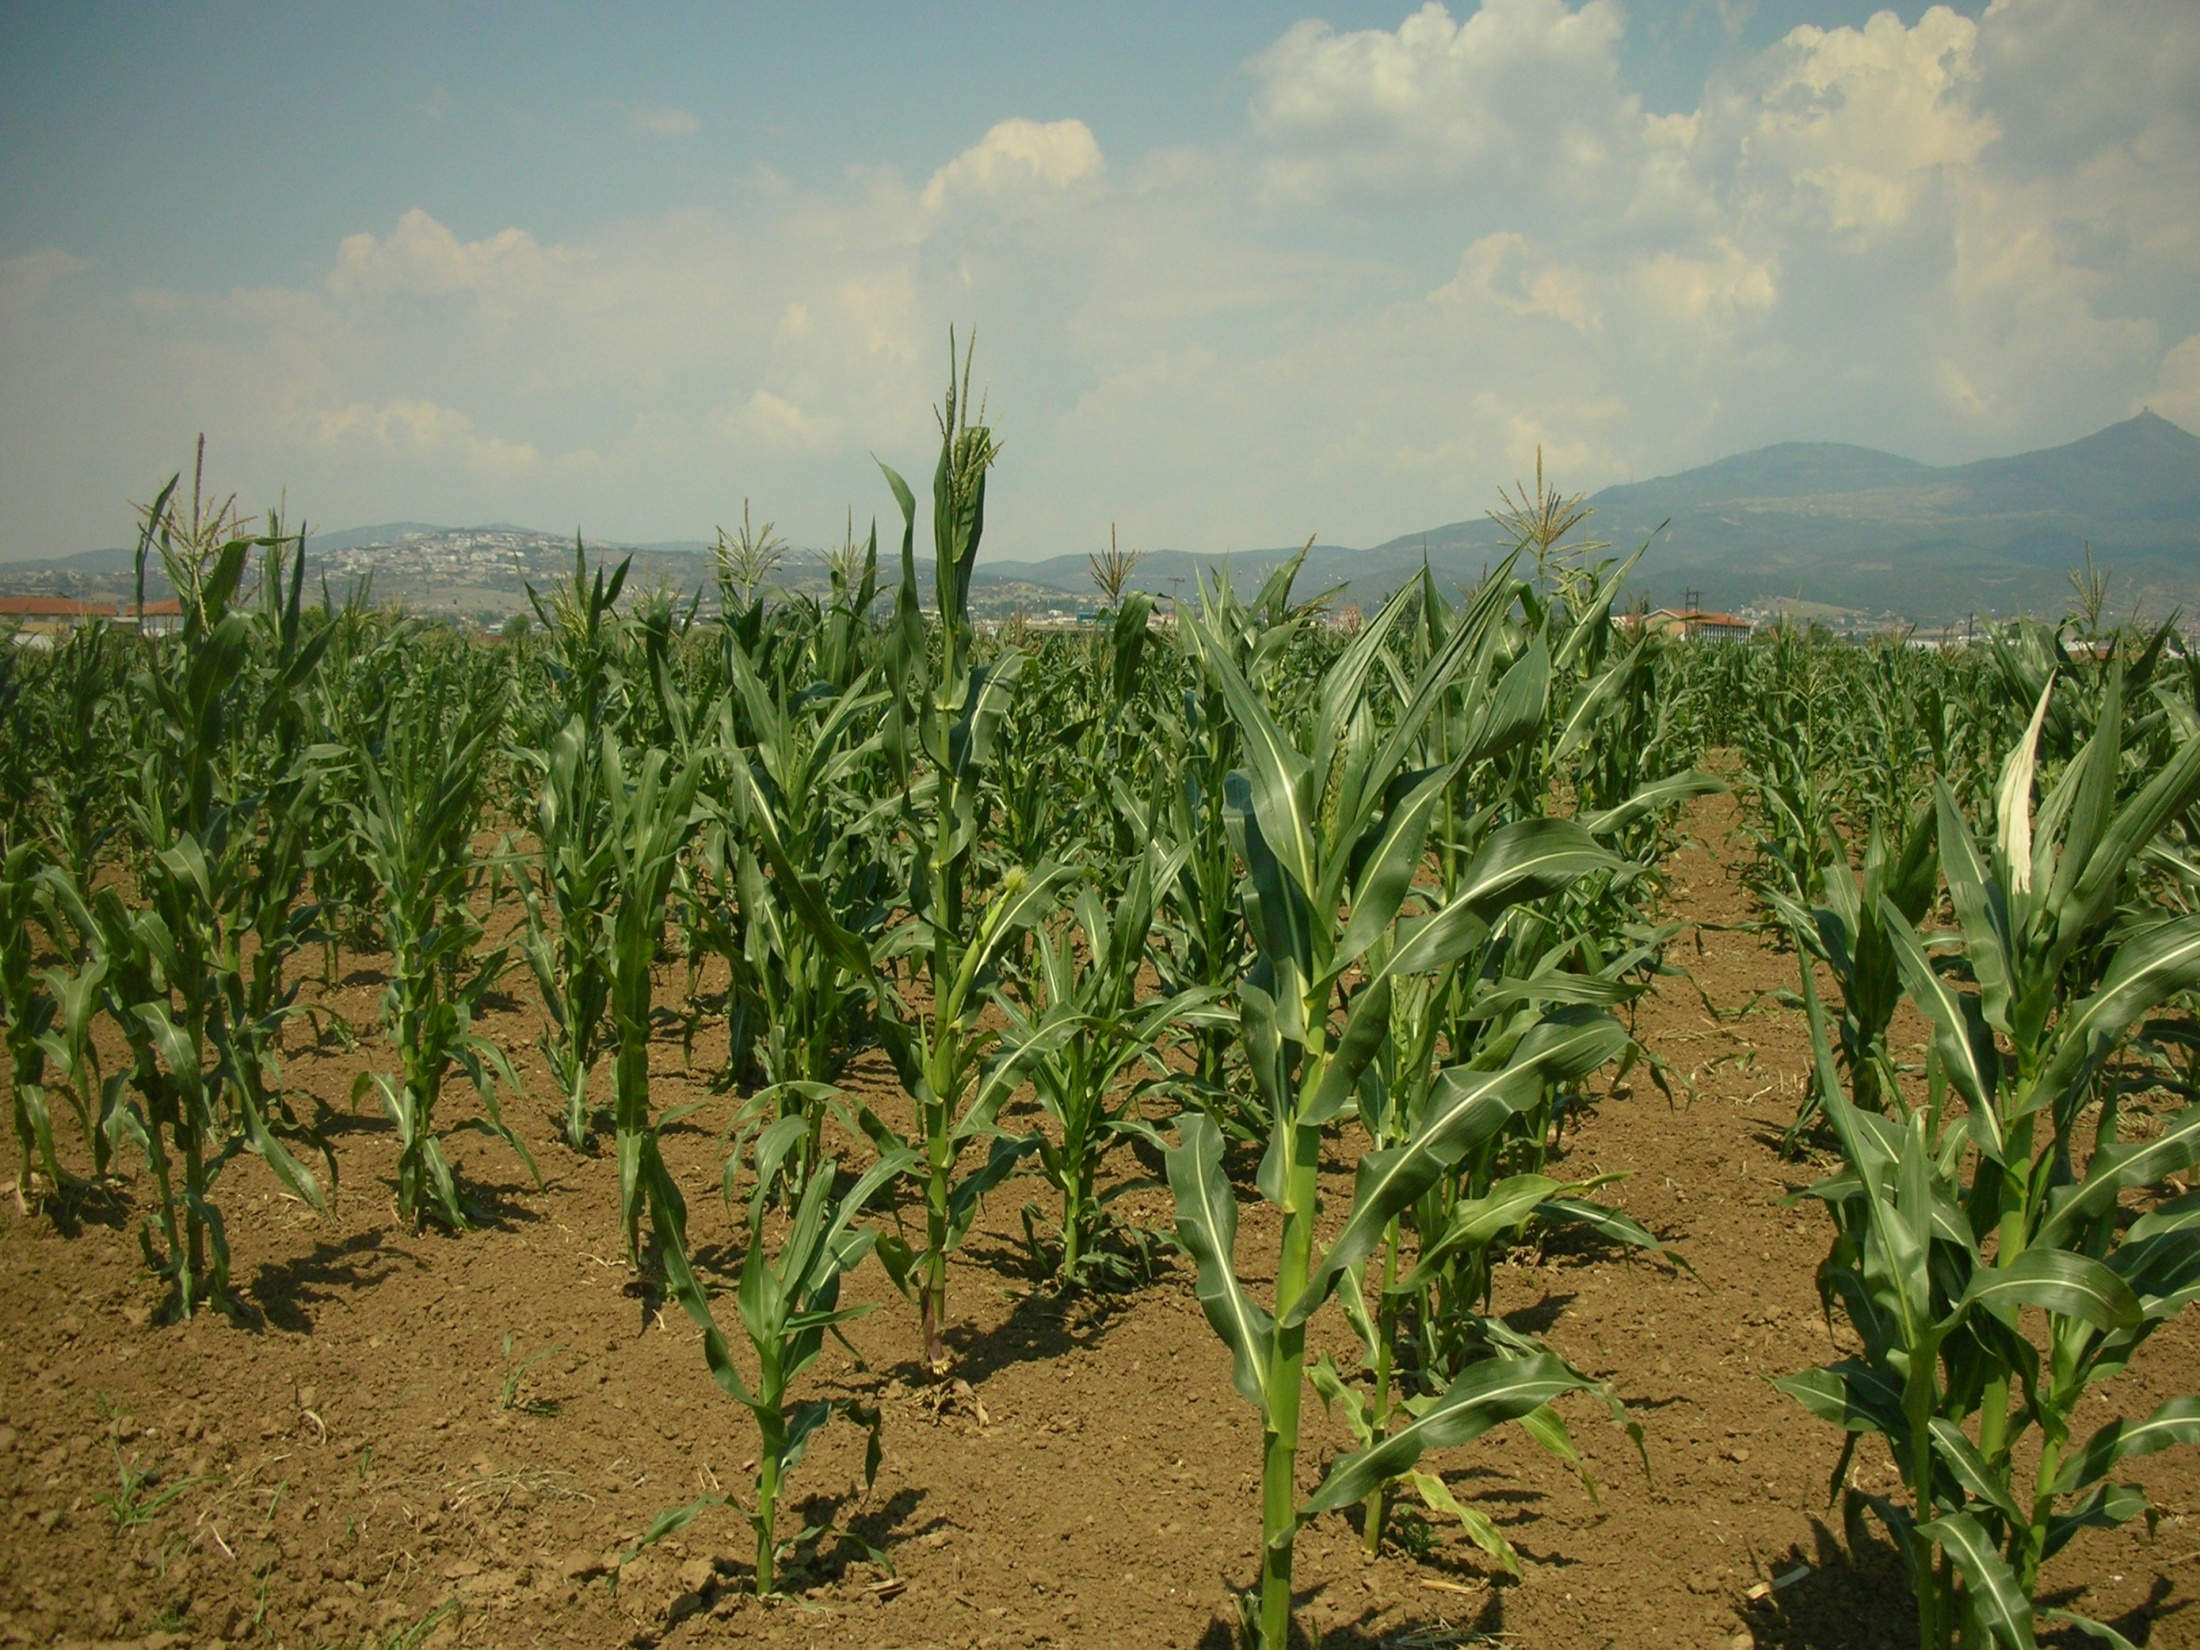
<point>1328,935</point>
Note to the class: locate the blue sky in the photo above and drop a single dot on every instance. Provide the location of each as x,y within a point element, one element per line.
<point>1240,273</point>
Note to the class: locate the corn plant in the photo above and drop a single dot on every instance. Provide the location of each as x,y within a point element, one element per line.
<point>1508,732</point>
<point>1332,828</point>
<point>217,822</point>
<point>1085,1028</point>
<point>786,1305</point>
<point>76,987</point>
<point>570,893</point>
<point>85,690</point>
<point>420,800</point>
<point>945,718</point>
<point>795,833</point>
<point>47,1016</point>
<point>27,1012</point>
<point>1847,932</point>
<point>1950,1227</point>
<point>279,772</point>
<point>1205,944</point>
<point>1431,1276</point>
<point>652,820</point>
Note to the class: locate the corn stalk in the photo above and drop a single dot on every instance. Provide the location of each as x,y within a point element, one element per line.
<point>1951,1227</point>
<point>1332,827</point>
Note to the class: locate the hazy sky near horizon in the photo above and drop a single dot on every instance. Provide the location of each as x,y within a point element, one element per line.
<point>1240,273</point>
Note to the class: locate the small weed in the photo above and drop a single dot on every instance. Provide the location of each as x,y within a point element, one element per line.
<point>1413,1533</point>
<point>170,1550</point>
<point>515,1373</point>
<point>411,1638</point>
<point>130,1504</point>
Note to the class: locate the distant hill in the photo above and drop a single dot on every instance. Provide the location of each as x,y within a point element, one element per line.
<point>1868,530</point>
<point>1838,526</point>
<point>359,538</point>
<point>1832,525</point>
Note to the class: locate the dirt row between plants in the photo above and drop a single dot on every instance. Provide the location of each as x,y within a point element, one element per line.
<point>442,1441</point>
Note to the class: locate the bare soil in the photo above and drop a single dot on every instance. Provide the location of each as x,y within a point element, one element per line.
<point>346,1470</point>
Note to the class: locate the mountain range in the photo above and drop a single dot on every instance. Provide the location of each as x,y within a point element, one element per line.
<point>1841,528</point>
<point>1831,528</point>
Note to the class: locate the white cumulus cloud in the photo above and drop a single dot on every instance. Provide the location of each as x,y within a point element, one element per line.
<point>1015,158</point>
<point>1427,250</point>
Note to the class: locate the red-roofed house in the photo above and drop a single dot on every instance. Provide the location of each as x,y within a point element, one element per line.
<point>1697,625</point>
<point>36,620</point>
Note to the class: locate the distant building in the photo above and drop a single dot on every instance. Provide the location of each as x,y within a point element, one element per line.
<point>1694,624</point>
<point>35,621</point>
<point>154,618</point>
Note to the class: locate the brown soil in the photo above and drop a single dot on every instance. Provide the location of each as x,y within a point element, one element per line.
<point>354,1471</point>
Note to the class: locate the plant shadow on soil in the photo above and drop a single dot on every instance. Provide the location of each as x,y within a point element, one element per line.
<point>1040,1327</point>
<point>279,1294</point>
<point>86,1203</point>
<point>1477,1622</point>
<point>1842,1603</point>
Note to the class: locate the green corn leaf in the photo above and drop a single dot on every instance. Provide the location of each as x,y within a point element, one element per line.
<point>1277,912</point>
<point>1528,859</point>
<point>2179,1214</point>
<point>1653,798</point>
<point>1463,1109</point>
<point>1516,710</point>
<point>1334,1393</point>
<point>1608,1223</point>
<point>1467,640</point>
<point>2146,972</point>
<point>671,1522</point>
<point>1490,1392</point>
<point>1850,1394</point>
<point>1476,1222</point>
<point>668,1214</point>
<point>1893,1517</point>
<point>1551,985</point>
<point>1343,683</point>
<point>1965,1046</point>
<point>1584,719</point>
<point>1548,1428</point>
<point>1980,909</point>
<point>1827,1073</point>
<point>1390,869</point>
<point>2104,1507</point>
<point>1024,900</point>
<point>963,1201</point>
<point>1571,1042</point>
<point>2118,1166</point>
<point>2088,790</point>
<point>1436,1495</point>
<point>1279,773</point>
<point>2000,1602</point>
<point>2165,796</point>
<point>2176,1422</point>
<point>1366,1028</point>
<point>2162,1269</point>
<point>1206,1223</point>
<point>2055,1280</point>
<point>1969,1468</point>
<point>1428,945</point>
